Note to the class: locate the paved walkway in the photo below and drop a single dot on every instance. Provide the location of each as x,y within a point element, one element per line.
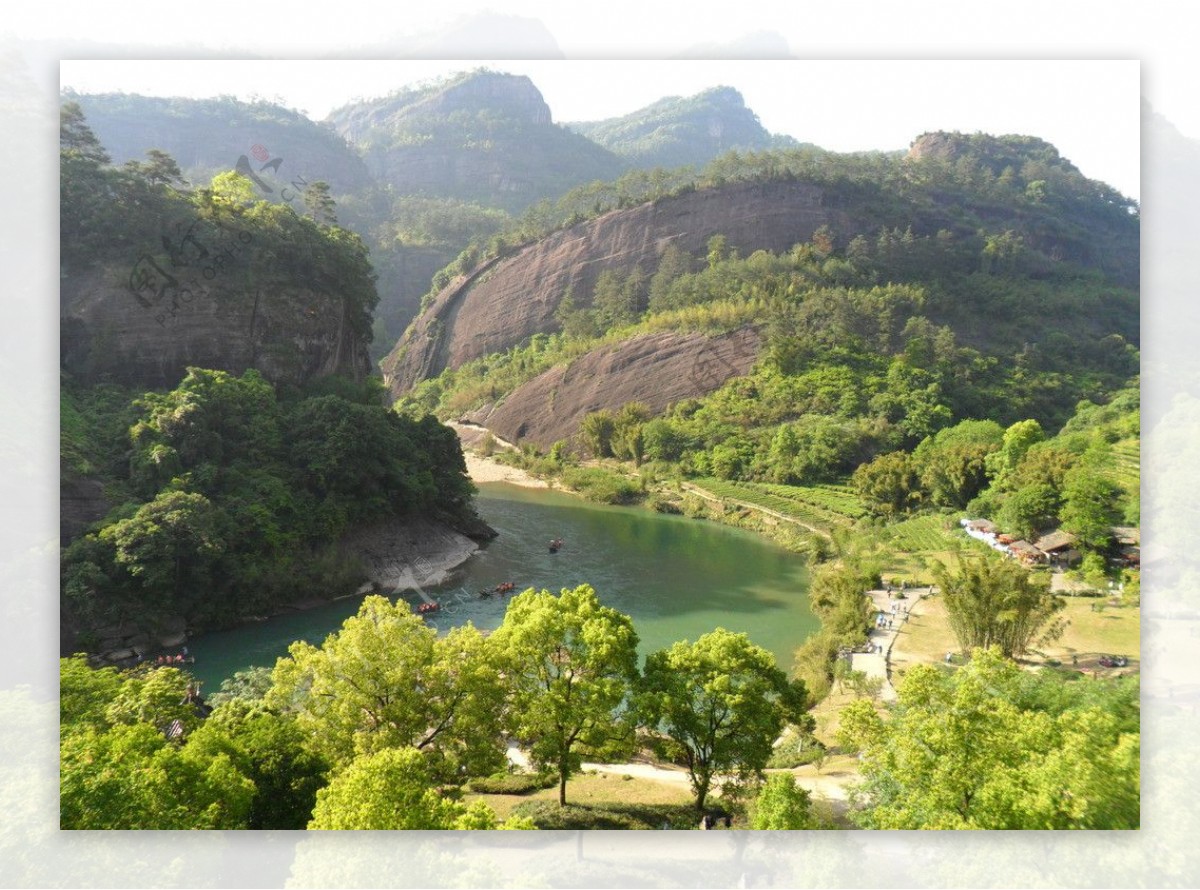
<point>876,664</point>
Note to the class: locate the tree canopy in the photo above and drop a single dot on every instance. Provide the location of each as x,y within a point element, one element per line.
<point>571,664</point>
<point>996,602</point>
<point>965,749</point>
<point>387,680</point>
<point>723,702</point>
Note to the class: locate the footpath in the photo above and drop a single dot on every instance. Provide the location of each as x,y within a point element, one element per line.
<point>890,616</point>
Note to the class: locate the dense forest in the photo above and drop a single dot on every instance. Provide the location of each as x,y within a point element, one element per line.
<point>226,493</point>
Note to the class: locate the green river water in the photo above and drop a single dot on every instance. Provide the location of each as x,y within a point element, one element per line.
<point>677,578</point>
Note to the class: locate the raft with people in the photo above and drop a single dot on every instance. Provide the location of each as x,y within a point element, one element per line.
<point>556,545</point>
<point>425,608</point>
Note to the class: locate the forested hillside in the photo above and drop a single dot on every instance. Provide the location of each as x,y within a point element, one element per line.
<point>677,131</point>
<point>158,276</point>
<point>425,171</point>
<point>893,295</point>
<point>220,435</point>
<point>208,136</point>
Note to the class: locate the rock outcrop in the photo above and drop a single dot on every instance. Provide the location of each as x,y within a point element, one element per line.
<point>288,333</point>
<point>656,369</point>
<point>509,299</point>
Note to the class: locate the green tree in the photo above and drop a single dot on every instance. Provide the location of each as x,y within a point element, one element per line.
<point>888,484</point>
<point>230,189</point>
<point>124,761</point>
<point>84,694</point>
<point>273,753</point>
<point>319,204</point>
<point>597,430</point>
<point>1089,506</point>
<point>75,136</point>
<point>570,664</point>
<point>995,602</point>
<point>973,749</point>
<point>837,594</point>
<point>673,264</point>
<point>953,463</point>
<point>159,169</point>
<point>170,545</point>
<point>723,702</point>
<point>386,680</point>
<point>781,805</point>
<point>389,790</point>
<point>627,441</point>
<point>1018,439</point>
<point>131,776</point>
<point>662,440</point>
<point>1027,510</point>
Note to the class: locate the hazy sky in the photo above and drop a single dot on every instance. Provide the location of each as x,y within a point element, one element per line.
<point>1090,110</point>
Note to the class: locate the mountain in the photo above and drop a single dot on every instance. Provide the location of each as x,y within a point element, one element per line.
<point>208,136</point>
<point>481,136</point>
<point>156,277</point>
<point>976,276</point>
<point>676,131</point>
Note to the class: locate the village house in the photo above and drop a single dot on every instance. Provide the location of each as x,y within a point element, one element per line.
<point>1059,547</point>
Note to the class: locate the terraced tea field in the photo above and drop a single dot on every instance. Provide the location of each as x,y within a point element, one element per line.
<point>1126,470</point>
<point>824,507</point>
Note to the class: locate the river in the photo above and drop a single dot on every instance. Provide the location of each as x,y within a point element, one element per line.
<point>677,578</point>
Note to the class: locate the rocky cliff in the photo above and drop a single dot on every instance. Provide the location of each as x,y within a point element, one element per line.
<point>149,338</point>
<point>657,370</point>
<point>509,299</point>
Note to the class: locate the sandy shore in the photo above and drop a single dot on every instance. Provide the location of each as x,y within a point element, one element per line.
<point>483,469</point>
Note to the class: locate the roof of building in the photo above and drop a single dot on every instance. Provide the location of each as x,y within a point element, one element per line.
<point>1127,534</point>
<point>1056,540</point>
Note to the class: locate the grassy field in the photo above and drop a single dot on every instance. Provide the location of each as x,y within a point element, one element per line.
<point>601,800</point>
<point>1094,629</point>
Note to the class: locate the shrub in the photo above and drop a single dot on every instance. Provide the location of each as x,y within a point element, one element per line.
<point>601,486</point>
<point>551,817</point>
<point>512,783</point>
<point>797,749</point>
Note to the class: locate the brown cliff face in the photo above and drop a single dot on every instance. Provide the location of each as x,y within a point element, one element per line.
<point>510,299</point>
<point>657,370</point>
<point>289,334</point>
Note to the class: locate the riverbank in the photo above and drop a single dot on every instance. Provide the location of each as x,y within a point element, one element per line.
<point>408,554</point>
<point>481,467</point>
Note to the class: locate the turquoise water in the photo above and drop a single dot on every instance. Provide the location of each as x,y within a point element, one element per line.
<point>677,578</point>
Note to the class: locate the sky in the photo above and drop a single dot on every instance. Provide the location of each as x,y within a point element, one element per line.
<point>1090,110</point>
